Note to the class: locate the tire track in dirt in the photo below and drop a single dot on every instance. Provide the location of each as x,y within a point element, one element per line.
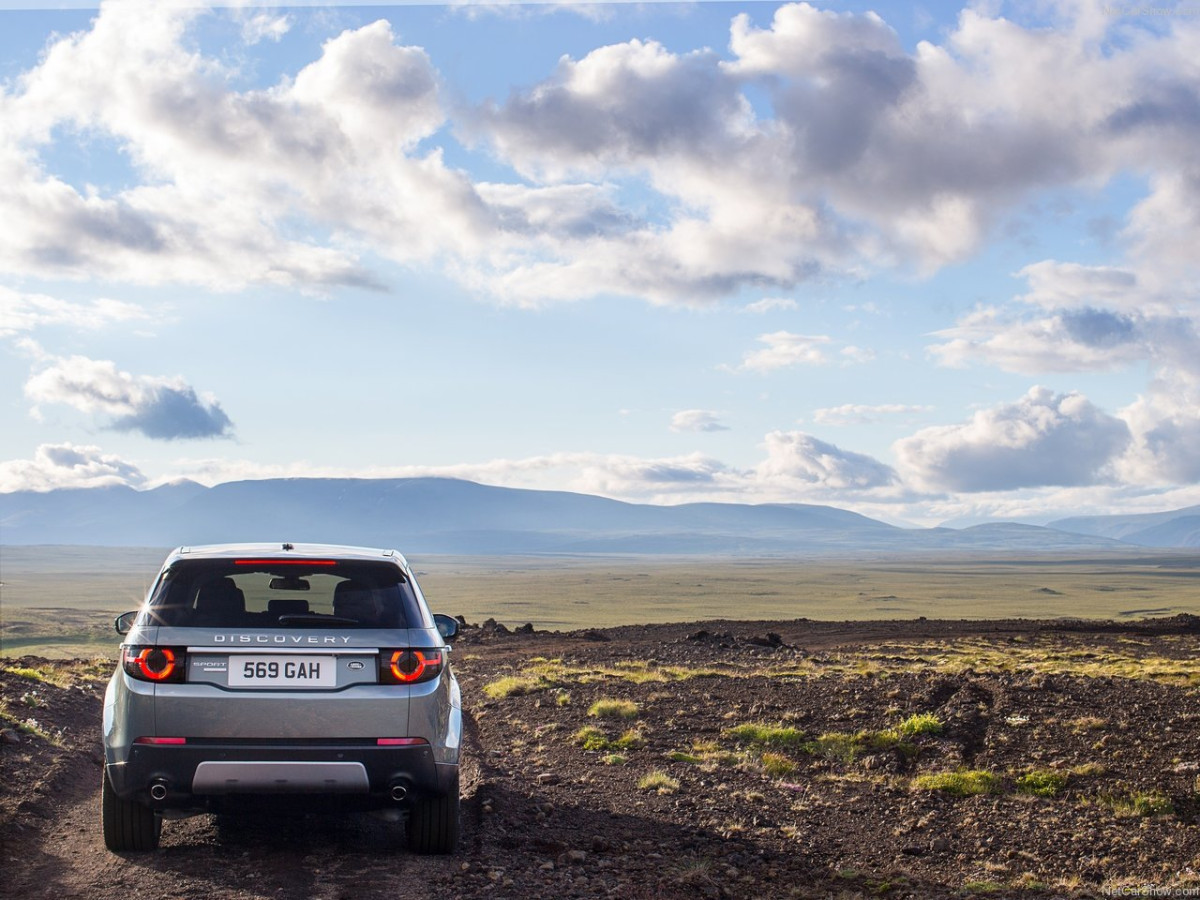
<point>53,847</point>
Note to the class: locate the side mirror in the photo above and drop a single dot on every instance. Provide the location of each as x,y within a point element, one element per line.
<point>447,627</point>
<point>124,622</point>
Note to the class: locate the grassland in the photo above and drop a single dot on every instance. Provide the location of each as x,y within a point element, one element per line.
<point>60,601</point>
<point>582,593</point>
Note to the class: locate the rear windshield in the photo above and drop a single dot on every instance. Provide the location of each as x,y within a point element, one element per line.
<point>270,594</point>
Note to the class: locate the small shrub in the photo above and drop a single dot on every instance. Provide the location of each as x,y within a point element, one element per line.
<point>613,709</point>
<point>630,740</point>
<point>541,674</point>
<point>921,723</point>
<point>843,747</point>
<point>512,686</point>
<point>965,783</point>
<point>659,782</point>
<point>776,765</point>
<point>695,873</point>
<point>592,738</point>
<point>614,759</point>
<point>1141,805</point>
<point>680,756</point>
<point>835,745</point>
<point>779,736</point>
<point>563,699</point>
<point>1041,783</point>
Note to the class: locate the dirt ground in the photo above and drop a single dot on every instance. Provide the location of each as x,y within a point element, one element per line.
<point>724,760</point>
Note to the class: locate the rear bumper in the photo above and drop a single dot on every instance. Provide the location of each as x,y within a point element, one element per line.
<point>203,772</point>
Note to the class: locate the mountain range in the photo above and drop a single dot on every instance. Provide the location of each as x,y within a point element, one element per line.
<point>444,515</point>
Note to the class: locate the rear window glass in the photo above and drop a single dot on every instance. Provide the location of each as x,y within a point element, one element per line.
<point>271,594</point>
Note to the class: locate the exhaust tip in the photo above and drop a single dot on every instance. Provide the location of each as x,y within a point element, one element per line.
<point>158,791</point>
<point>399,792</point>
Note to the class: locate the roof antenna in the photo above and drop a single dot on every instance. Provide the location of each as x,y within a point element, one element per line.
<point>289,547</point>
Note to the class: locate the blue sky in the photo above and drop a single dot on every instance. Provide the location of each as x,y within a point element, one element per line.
<point>930,263</point>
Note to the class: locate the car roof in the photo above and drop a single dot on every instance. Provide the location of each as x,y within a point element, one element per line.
<point>286,551</point>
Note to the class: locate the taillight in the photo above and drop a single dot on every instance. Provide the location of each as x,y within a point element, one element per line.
<point>161,664</point>
<point>410,666</point>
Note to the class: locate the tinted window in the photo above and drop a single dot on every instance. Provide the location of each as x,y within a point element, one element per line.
<point>269,594</point>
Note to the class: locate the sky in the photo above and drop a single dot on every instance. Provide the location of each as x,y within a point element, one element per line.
<point>928,262</point>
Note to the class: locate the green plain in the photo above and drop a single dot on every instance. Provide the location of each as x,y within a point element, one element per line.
<point>60,601</point>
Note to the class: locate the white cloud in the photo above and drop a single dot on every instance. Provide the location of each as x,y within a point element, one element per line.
<point>1165,422</point>
<point>68,466</point>
<point>227,175</point>
<point>1101,319</point>
<point>796,457</point>
<point>157,407</point>
<point>770,304</point>
<point>1042,439</point>
<point>1085,318</point>
<point>881,153</point>
<point>865,414</point>
<point>697,420</point>
<point>262,26</point>
<point>852,355</point>
<point>1060,285</point>
<point>21,313</point>
<point>1163,228</point>
<point>785,349</point>
<point>1069,341</point>
<point>803,41</point>
<point>1043,505</point>
<point>653,479</point>
<point>864,154</point>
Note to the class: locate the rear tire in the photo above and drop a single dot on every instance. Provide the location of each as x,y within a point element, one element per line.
<point>433,824</point>
<point>129,826</point>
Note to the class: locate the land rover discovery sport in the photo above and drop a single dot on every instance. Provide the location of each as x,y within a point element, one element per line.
<point>304,674</point>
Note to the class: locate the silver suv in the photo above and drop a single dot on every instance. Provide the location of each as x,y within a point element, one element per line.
<point>304,674</point>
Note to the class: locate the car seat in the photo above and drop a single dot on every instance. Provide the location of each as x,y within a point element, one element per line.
<point>220,603</point>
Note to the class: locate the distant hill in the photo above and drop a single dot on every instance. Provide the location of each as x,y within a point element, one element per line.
<point>1177,528</point>
<point>444,515</point>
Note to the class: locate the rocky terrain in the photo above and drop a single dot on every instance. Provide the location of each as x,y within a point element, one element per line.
<point>716,760</point>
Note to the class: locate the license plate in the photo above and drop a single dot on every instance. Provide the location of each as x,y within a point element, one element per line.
<point>282,671</point>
